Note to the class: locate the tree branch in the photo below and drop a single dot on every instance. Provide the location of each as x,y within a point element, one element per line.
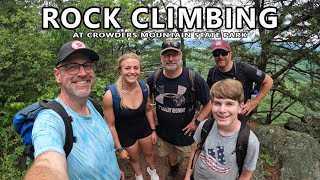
<point>282,112</point>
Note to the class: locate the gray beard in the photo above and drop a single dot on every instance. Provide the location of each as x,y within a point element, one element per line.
<point>81,94</point>
<point>172,68</point>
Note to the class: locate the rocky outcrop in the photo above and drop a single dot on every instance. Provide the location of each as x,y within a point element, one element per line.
<point>296,155</point>
<point>309,124</point>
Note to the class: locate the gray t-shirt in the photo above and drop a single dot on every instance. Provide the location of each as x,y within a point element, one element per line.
<point>218,159</point>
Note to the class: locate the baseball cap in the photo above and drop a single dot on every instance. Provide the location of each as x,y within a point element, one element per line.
<point>170,45</point>
<point>75,47</point>
<point>220,44</point>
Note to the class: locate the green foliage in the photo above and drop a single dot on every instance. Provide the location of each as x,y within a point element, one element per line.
<point>268,162</point>
<point>267,159</point>
<point>28,56</point>
<point>200,60</point>
<point>267,173</point>
<point>12,148</point>
<point>11,144</point>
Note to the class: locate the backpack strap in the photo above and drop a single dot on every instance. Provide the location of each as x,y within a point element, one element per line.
<point>210,77</point>
<point>204,134</point>
<point>144,89</point>
<point>27,152</point>
<point>206,128</point>
<point>115,99</point>
<point>192,78</point>
<point>156,77</point>
<point>238,66</point>
<point>58,108</point>
<point>242,145</point>
<point>96,105</point>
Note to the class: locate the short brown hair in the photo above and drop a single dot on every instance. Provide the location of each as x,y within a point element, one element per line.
<point>227,89</point>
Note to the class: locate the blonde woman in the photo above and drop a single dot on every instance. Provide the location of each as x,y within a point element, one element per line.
<point>132,124</point>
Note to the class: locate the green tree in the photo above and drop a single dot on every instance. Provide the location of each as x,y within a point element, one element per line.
<point>289,53</point>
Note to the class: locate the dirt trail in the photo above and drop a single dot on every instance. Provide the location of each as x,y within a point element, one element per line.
<point>161,165</point>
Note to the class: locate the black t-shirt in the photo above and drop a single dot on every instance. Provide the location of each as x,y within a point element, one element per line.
<point>175,104</point>
<point>252,74</point>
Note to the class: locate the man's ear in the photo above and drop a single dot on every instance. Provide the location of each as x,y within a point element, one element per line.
<point>57,74</point>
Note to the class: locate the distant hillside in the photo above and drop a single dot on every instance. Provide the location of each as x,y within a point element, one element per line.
<point>203,44</point>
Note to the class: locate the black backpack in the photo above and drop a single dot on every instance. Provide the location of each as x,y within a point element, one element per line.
<point>241,146</point>
<point>23,123</point>
<point>238,65</point>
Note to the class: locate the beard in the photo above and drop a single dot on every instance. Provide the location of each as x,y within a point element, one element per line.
<point>81,92</point>
<point>172,68</point>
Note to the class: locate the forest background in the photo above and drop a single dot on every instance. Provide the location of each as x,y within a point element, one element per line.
<point>289,53</point>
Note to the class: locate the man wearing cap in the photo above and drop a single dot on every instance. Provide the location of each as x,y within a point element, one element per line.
<point>175,100</point>
<point>92,155</point>
<point>226,68</point>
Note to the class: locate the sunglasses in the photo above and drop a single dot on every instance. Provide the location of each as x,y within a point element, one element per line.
<point>170,44</point>
<point>219,52</point>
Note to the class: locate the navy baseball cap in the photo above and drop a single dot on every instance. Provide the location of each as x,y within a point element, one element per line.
<point>75,47</point>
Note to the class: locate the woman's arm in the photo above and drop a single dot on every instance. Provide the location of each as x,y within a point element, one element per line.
<point>150,117</point>
<point>110,118</point>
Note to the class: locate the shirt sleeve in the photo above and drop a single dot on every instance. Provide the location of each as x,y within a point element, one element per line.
<point>48,133</point>
<point>254,74</point>
<point>202,90</point>
<point>197,134</point>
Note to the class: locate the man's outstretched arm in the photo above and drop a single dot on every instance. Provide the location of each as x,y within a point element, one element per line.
<point>48,165</point>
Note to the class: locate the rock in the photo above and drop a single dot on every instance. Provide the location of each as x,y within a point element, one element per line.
<point>311,127</point>
<point>258,173</point>
<point>296,154</point>
<point>308,118</point>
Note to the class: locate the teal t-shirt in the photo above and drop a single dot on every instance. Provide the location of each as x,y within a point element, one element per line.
<point>92,156</point>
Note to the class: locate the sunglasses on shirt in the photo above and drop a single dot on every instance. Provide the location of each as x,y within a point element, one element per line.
<point>219,52</point>
<point>170,44</point>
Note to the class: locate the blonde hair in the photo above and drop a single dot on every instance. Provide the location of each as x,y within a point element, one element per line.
<point>119,81</point>
<point>228,89</point>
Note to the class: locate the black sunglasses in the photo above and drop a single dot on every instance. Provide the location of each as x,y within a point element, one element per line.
<point>219,52</point>
<point>170,44</point>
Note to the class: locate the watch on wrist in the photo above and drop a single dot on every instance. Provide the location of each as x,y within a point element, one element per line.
<point>197,122</point>
<point>119,149</point>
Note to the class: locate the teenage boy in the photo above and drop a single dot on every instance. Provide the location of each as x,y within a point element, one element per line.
<point>217,159</point>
